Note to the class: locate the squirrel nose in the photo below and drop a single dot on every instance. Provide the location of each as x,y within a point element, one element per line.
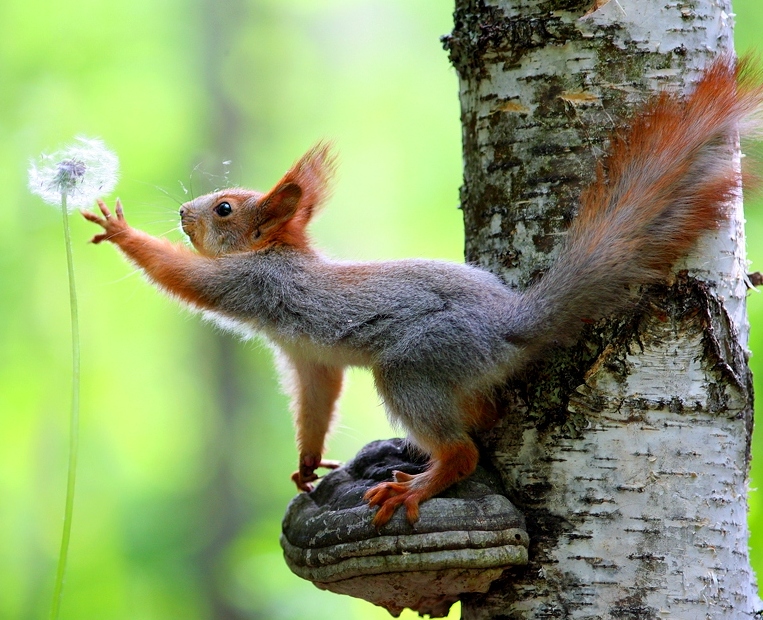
<point>182,211</point>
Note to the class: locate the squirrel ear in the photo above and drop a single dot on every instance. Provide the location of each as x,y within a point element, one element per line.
<point>280,205</point>
<point>312,173</point>
<point>285,211</point>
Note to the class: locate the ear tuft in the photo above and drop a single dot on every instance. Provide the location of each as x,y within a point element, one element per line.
<point>312,173</point>
<point>289,206</point>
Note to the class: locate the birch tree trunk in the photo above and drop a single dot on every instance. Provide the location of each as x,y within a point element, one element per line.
<point>629,452</point>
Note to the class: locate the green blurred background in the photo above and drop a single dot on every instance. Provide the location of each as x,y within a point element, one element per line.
<point>186,443</point>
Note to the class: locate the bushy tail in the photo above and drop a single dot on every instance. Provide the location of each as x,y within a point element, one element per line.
<point>669,178</point>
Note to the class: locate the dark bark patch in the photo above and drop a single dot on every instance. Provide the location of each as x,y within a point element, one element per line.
<point>632,608</point>
<point>479,30</point>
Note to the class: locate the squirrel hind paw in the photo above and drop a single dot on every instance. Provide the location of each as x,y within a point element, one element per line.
<point>389,495</point>
<point>448,465</point>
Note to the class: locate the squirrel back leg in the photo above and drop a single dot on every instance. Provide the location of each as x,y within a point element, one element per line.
<point>447,465</point>
<point>315,389</point>
<point>434,413</point>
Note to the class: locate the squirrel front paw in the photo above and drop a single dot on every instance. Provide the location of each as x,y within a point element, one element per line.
<point>305,475</point>
<point>112,225</point>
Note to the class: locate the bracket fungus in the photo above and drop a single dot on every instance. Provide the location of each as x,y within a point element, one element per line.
<point>462,542</point>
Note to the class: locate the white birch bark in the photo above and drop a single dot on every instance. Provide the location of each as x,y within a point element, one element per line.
<point>628,453</point>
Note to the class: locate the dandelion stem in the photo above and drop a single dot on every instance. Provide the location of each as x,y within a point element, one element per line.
<point>73,420</point>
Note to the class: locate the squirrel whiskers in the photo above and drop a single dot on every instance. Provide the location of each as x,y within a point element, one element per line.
<point>440,337</point>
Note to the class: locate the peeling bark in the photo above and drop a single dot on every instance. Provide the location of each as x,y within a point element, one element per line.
<point>629,452</point>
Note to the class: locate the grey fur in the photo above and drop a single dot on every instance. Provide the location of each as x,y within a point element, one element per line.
<point>428,329</point>
<point>439,337</point>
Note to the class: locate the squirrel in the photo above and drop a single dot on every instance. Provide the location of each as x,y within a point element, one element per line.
<point>440,337</point>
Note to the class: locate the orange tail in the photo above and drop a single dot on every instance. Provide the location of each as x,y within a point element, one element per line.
<point>668,179</point>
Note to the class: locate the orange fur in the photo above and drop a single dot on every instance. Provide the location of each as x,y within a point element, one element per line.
<point>668,178</point>
<point>639,159</point>
<point>448,464</point>
<point>479,410</point>
<point>173,267</point>
<point>258,221</point>
<point>316,391</point>
<point>311,173</point>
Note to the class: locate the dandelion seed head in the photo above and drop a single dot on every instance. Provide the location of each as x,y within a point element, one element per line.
<point>70,171</point>
<point>82,171</point>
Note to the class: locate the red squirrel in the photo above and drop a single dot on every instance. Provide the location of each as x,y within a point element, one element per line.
<point>440,337</point>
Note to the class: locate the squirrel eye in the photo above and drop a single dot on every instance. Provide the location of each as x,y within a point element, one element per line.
<point>223,209</point>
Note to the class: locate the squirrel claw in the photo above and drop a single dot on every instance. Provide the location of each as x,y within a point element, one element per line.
<point>303,483</point>
<point>99,238</point>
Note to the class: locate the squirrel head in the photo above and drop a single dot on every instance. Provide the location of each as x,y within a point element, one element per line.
<point>241,220</point>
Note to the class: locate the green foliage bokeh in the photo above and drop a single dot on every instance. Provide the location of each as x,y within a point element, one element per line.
<point>186,443</point>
